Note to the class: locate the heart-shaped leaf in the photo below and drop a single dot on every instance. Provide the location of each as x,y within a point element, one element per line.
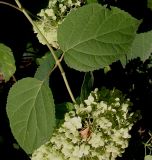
<point>30,109</point>
<point>93,36</point>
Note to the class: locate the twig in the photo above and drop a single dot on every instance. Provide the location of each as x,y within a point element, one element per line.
<point>10,5</point>
<point>50,48</point>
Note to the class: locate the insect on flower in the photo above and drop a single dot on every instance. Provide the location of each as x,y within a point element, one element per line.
<point>85,133</point>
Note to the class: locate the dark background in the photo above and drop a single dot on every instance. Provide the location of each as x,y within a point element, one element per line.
<point>16,32</point>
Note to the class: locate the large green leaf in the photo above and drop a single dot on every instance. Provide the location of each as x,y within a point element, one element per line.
<point>93,36</point>
<point>141,47</point>
<point>47,63</point>
<point>30,109</point>
<point>7,62</point>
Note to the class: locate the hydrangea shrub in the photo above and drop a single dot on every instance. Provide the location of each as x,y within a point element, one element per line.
<point>96,129</point>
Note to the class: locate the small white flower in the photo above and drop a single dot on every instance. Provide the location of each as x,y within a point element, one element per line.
<point>78,3</point>
<point>103,123</point>
<point>111,148</point>
<point>117,104</point>
<point>125,133</point>
<point>77,152</point>
<point>63,8</point>
<point>42,13</point>
<point>52,3</point>
<point>103,106</point>
<point>113,110</point>
<point>96,140</point>
<point>124,107</point>
<point>74,158</point>
<point>73,125</point>
<point>49,12</point>
<point>70,2</point>
<point>60,5</point>
<point>90,100</point>
<point>76,121</point>
<point>109,108</point>
<point>117,99</point>
<point>85,148</point>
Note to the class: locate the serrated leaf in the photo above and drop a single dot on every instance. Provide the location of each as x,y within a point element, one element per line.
<point>87,86</point>
<point>148,157</point>
<point>30,109</point>
<point>141,47</point>
<point>47,63</point>
<point>93,36</point>
<point>7,62</point>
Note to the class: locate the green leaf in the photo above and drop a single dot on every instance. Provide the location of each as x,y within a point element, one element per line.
<point>30,109</point>
<point>141,47</point>
<point>47,63</point>
<point>93,36</point>
<point>61,109</point>
<point>92,1</point>
<point>7,62</point>
<point>149,4</point>
<point>148,157</point>
<point>86,86</point>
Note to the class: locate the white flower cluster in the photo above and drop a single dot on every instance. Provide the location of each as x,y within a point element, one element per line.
<point>52,16</point>
<point>97,129</point>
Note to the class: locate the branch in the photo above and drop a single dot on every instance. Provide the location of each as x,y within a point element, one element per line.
<point>50,48</point>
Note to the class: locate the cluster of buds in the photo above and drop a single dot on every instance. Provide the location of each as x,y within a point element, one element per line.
<point>52,16</point>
